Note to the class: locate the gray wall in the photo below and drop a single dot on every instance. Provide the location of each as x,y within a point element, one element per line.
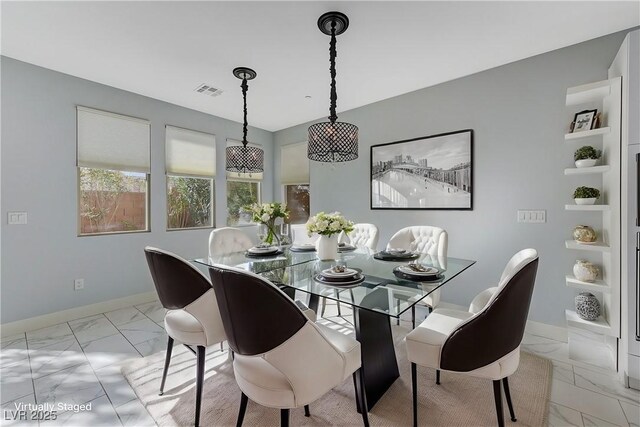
<point>519,117</point>
<point>40,260</point>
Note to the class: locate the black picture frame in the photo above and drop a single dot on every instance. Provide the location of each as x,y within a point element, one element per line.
<point>592,120</point>
<point>457,179</point>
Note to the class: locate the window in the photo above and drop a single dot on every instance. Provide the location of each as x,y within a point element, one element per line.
<point>296,197</point>
<point>294,177</point>
<point>239,195</point>
<point>242,190</point>
<point>113,159</point>
<point>191,166</point>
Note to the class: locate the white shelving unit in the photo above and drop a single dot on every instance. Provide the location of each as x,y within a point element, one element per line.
<point>587,133</point>
<point>602,333</point>
<point>584,171</point>
<point>597,286</point>
<point>587,208</point>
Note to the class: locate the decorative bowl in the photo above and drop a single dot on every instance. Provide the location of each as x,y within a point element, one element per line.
<point>586,163</point>
<point>585,271</point>
<point>587,201</point>
<point>587,306</point>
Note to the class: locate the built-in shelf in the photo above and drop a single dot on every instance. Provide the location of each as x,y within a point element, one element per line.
<point>584,171</point>
<point>600,325</point>
<point>589,93</point>
<point>587,133</point>
<point>587,208</point>
<point>593,247</point>
<point>597,286</point>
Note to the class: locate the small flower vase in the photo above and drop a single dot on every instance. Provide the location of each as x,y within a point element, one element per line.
<point>327,247</point>
<point>585,271</point>
<point>587,306</point>
<point>271,236</point>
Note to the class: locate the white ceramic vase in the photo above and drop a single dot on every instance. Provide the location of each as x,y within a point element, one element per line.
<point>327,247</point>
<point>586,201</point>
<point>586,163</point>
<point>585,271</point>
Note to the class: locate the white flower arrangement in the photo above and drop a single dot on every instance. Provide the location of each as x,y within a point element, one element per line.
<point>328,224</point>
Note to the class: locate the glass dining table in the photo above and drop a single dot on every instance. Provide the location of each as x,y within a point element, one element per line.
<point>381,296</point>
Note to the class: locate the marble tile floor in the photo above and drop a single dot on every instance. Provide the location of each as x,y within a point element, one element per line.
<point>78,362</point>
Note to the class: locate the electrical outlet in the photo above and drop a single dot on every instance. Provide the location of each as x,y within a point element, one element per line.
<point>78,284</point>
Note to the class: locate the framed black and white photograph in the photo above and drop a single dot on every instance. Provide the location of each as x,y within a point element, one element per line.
<point>431,172</point>
<point>584,120</point>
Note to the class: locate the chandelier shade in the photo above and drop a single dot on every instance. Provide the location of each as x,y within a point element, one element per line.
<point>244,159</point>
<point>333,141</point>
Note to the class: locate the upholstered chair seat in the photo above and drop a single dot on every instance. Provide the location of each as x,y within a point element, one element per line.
<point>193,325</point>
<point>483,341</point>
<point>227,240</point>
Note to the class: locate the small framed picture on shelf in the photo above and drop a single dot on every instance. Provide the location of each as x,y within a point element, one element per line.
<point>584,120</point>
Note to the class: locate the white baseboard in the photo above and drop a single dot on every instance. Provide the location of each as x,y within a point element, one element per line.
<point>33,323</point>
<point>553,332</point>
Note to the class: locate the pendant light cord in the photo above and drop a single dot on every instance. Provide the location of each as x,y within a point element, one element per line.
<point>332,57</point>
<point>244,87</point>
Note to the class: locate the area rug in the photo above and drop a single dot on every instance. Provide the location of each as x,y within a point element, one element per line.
<point>458,401</point>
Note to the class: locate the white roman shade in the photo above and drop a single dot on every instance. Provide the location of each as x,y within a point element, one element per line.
<point>294,164</point>
<point>244,176</point>
<point>112,141</point>
<point>190,153</point>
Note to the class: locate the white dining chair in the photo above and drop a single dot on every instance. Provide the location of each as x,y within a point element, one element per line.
<point>299,235</point>
<point>431,242</point>
<point>483,342</point>
<point>226,240</point>
<point>363,235</point>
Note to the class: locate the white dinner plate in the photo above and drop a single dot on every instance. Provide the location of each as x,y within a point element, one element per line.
<point>346,273</point>
<point>430,271</point>
<point>263,250</point>
<point>305,247</point>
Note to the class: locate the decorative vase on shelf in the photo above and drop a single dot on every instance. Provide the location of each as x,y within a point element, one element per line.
<point>585,201</point>
<point>586,163</point>
<point>327,247</point>
<point>584,234</point>
<point>585,271</point>
<point>587,306</point>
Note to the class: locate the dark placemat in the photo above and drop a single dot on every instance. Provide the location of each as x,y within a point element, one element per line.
<point>292,249</point>
<point>386,256</point>
<point>340,284</point>
<point>417,277</point>
<point>267,255</point>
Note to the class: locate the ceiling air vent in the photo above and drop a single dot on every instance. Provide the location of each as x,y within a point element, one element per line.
<point>208,90</point>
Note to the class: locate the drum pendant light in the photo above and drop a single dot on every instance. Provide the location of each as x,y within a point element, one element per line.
<point>333,141</point>
<point>244,159</point>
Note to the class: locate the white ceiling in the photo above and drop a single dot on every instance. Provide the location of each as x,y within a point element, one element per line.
<point>165,49</point>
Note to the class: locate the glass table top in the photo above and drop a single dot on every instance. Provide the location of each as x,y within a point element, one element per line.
<point>380,291</point>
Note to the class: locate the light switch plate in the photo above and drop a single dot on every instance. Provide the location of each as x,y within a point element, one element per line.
<point>16,218</point>
<point>532,216</point>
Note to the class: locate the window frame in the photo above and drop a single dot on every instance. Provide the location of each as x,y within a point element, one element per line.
<point>256,181</point>
<point>213,202</point>
<point>284,196</point>
<point>108,233</point>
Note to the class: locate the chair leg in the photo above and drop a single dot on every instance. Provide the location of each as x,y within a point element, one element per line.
<point>361,396</point>
<point>284,418</point>
<point>413,316</point>
<point>243,408</point>
<point>221,345</point>
<point>505,383</point>
<point>438,376</point>
<point>202,350</point>
<point>398,310</point>
<point>497,394</point>
<point>307,412</point>
<point>167,360</point>
<point>414,391</point>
